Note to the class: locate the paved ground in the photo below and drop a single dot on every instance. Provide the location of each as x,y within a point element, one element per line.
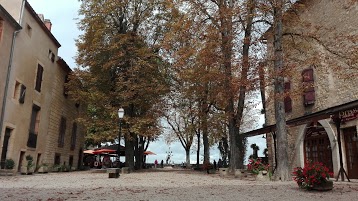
<point>159,185</point>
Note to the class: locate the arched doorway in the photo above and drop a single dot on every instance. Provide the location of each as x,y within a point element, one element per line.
<point>317,147</point>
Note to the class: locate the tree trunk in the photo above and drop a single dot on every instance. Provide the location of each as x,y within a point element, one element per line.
<point>226,48</point>
<point>282,172</point>
<point>138,145</point>
<point>205,138</point>
<point>240,140</point>
<point>187,153</point>
<point>129,146</point>
<point>233,148</point>
<point>262,88</point>
<point>198,150</point>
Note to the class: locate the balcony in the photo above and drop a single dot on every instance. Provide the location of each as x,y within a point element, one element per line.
<point>32,141</point>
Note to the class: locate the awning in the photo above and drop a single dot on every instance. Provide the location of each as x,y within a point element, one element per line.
<point>104,151</point>
<point>114,149</point>
<point>88,151</point>
<point>323,114</point>
<point>149,153</point>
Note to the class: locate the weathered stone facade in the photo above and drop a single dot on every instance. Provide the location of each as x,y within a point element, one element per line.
<point>35,100</point>
<point>319,36</point>
<point>8,29</point>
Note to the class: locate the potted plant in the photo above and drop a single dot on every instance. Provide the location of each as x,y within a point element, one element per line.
<point>28,169</point>
<point>261,170</point>
<point>209,168</point>
<point>9,164</point>
<point>9,167</point>
<point>65,168</point>
<point>43,168</point>
<point>256,166</point>
<point>313,176</point>
<point>56,168</point>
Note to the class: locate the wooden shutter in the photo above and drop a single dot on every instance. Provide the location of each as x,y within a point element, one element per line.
<point>62,130</point>
<point>287,99</point>
<point>309,96</point>
<point>40,70</point>
<point>22,94</point>
<point>307,75</point>
<point>65,90</point>
<point>74,136</point>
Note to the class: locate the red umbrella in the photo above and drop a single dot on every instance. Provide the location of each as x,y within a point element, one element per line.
<point>102,151</point>
<point>149,153</point>
<point>88,151</point>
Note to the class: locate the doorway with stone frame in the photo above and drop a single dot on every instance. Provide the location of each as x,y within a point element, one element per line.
<point>5,146</point>
<point>351,147</point>
<point>317,147</point>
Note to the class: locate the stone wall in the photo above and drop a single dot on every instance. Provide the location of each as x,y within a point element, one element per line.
<point>321,35</point>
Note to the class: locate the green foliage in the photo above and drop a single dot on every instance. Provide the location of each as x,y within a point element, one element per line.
<point>29,160</point>
<point>256,165</point>
<point>9,164</point>
<point>313,173</point>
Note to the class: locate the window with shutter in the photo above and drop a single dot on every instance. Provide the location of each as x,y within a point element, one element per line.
<point>65,90</point>
<point>22,94</point>
<point>39,75</point>
<point>57,159</point>
<point>287,99</point>
<point>309,96</point>
<point>35,119</point>
<point>62,131</point>
<point>34,126</point>
<point>74,136</point>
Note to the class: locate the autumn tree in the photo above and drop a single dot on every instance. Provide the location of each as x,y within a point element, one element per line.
<point>182,121</point>
<point>193,77</point>
<point>120,67</point>
<point>219,49</point>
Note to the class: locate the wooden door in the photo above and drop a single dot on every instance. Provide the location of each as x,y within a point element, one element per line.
<point>351,145</point>
<point>317,146</point>
<point>5,146</point>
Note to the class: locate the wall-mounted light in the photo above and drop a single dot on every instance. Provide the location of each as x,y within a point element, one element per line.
<point>355,137</point>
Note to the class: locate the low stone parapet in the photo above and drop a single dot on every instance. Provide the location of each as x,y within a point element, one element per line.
<point>113,172</point>
<point>125,170</point>
<point>223,171</point>
<point>7,172</point>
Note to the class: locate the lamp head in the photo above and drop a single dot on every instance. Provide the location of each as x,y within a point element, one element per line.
<point>120,113</point>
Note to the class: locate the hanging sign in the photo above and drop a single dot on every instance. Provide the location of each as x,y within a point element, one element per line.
<point>349,115</point>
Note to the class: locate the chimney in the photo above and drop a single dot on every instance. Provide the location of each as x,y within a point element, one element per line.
<point>48,24</point>
<point>41,16</point>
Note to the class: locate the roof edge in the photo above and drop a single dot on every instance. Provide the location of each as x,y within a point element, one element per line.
<point>9,18</point>
<point>64,65</point>
<point>42,25</point>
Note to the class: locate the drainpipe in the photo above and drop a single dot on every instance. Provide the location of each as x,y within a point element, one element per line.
<point>9,68</point>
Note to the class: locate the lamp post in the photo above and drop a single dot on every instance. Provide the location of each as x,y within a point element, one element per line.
<point>120,116</point>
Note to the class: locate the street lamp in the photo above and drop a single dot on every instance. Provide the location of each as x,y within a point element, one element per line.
<point>120,116</point>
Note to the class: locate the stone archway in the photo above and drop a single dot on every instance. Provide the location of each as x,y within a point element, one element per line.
<point>317,146</point>
<point>300,143</point>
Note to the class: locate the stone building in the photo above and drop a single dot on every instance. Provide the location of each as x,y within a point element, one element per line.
<point>39,118</point>
<point>321,93</point>
<point>8,30</point>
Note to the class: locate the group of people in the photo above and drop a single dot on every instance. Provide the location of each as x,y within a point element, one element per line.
<point>156,164</point>
<point>219,164</point>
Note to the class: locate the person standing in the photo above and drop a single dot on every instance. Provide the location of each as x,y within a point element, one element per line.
<point>155,163</point>
<point>220,163</point>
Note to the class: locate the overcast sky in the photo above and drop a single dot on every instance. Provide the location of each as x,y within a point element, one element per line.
<point>64,17</point>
